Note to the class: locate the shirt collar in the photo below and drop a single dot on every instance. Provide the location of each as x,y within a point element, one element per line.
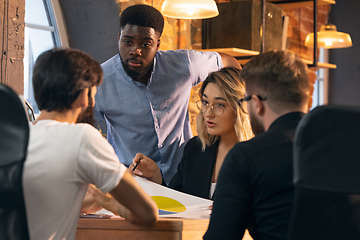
<point>287,117</point>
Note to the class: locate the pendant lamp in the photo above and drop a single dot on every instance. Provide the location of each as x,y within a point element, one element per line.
<point>189,9</point>
<point>329,37</point>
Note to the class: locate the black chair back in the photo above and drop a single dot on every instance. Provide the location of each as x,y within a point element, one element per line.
<point>14,135</point>
<point>326,175</point>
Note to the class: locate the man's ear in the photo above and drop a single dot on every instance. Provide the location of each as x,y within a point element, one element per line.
<point>158,44</point>
<point>82,100</point>
<point>259,105</point>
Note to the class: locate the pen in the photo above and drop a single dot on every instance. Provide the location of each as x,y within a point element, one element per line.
<point>136,164</point>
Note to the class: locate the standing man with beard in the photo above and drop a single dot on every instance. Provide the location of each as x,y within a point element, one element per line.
<point>255,184</point>
<point>145,95</point>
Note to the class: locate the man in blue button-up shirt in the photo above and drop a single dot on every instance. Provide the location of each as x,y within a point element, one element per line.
<point>145,93</point>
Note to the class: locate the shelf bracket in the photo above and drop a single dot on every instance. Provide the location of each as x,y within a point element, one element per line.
<point>315,57</point>
<point>263,6</point>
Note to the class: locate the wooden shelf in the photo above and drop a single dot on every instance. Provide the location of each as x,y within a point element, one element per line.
<point>286,4</point>
<point>244,55</point>
<point>320,64</point>
<point>235,52</point>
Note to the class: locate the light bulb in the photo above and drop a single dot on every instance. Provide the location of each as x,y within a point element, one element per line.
<point>190,11</point>
<point>328,43</point>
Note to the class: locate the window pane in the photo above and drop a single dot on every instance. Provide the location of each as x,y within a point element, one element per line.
<point>40,41</point>
<point>35,12</point>
<point>36,41</point>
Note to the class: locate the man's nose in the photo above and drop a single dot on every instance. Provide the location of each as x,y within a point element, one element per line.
<point>135,50</point>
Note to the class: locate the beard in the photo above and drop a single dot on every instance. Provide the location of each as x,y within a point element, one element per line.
<point>135,74</point>
<point>87,115</point>
<point>256,126</point>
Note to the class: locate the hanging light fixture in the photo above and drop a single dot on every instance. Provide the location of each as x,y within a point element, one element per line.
<point>189,9</point>
<point>329,37</point>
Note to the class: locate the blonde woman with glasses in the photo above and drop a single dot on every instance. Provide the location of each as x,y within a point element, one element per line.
<point>221,123</point>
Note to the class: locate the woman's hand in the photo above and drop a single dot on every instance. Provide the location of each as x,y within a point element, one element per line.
<point>146,168</point>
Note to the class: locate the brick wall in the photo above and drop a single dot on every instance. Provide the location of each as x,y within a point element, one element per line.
<point>12,14</point>
<point>300,24</point>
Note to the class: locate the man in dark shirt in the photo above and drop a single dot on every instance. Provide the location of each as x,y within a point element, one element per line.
<point>255,187</point>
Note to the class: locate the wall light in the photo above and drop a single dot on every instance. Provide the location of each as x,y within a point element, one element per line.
<point>329,37</point>
<point>189,9</point>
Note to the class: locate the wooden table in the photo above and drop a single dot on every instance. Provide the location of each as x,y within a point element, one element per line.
<point>118,228</point>
<point>165,228</point>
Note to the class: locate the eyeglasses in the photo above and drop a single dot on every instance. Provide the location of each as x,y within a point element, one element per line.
<point>248,98</point>
<point>217,108</point>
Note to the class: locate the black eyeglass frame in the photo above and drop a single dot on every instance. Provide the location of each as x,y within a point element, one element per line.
<point>248,98</point>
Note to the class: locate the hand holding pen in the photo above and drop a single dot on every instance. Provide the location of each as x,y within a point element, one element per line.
<point>146,167</point>
<point>137,164</point>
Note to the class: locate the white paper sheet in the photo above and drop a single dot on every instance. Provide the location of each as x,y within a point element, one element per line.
<point>173,203</point>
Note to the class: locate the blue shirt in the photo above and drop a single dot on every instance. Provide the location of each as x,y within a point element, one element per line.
<point>152,119</point>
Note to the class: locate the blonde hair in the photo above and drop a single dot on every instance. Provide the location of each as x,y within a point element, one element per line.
<point>230,82</point>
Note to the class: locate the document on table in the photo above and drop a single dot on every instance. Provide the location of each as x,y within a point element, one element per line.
<point>172,203</point>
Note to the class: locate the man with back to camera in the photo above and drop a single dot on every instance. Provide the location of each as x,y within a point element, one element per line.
<point>255,184</point>
<point>145,94</point>
<point>63,158</point>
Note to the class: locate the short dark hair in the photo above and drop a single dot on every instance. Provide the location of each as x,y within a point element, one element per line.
<point>281,76</point>
<point>142,15</point>
<point>60,75</point>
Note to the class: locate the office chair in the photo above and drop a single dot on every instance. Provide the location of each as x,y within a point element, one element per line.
<point>327,175</point>
<point>14,135</point>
